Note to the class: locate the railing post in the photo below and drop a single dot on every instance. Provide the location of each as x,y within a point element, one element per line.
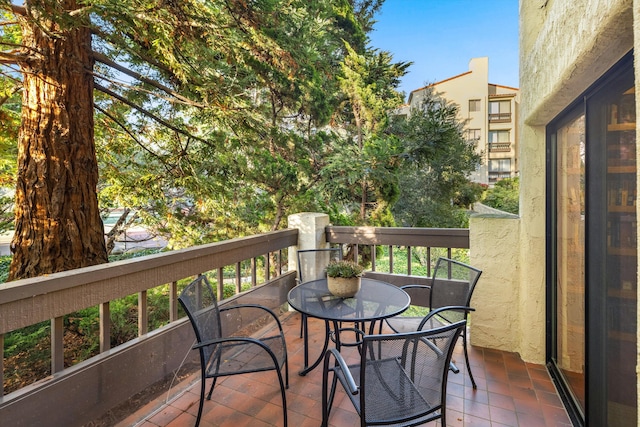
<point>373,257</point>
<point>238,279</point>
<point>57,344</point>
<point>143,317</point>
<point>173,301</point>
<point>267,266</point>
<point>1,364</point>
<point>311,234</point>
<point>105,327</point>
<point>254,272</point>
<point>220,284</point>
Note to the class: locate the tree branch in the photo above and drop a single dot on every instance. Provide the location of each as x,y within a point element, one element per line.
<point>146,112</point>
<point>18,10</point>
<point>13,57</point>
<point>107,61</point>
<point>127,131</point>
<point>152,61</point>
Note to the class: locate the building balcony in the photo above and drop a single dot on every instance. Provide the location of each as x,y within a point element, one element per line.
<point>499,117</point>
<point>497,176</point>
<point>153,380</point>
<point>499,147</point>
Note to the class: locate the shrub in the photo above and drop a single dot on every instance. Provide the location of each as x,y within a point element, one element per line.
<point>344,269</point>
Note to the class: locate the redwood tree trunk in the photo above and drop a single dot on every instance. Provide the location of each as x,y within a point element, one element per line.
<point>58,225</point>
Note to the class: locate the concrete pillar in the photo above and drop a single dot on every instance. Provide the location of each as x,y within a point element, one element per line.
<point>311,233</point>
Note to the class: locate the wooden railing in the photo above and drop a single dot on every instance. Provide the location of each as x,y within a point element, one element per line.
<point>49,298</point>
<point>499,146</point>
<point>79,394</point>
<point>433,242</point>
<point>499,117</point>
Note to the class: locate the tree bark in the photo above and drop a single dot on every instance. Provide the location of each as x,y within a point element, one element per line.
<point>58,225</point>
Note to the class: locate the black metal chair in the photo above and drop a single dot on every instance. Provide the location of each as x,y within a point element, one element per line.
<point>311,266</point>
<point>401,379</point>
<point>224,350</point>
<point>452,284</point>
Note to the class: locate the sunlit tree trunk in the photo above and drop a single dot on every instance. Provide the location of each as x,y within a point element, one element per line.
<point>58,225</point>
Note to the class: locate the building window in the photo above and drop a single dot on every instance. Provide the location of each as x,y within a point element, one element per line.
<point>499,169</point>
<point>474,105</point>
<point>499,111</point>
<point>474,134</point>
<point>499,136</point>
<point>499,165</point>
<point>499,140</point>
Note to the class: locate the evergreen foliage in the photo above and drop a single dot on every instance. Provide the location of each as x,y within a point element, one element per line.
<point>505,195</point>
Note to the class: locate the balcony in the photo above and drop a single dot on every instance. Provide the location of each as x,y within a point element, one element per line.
<point>510,392</point>
<point>499,147</point>
<point>112,386</point>
<point>499,117</point>
<point>497,176</point>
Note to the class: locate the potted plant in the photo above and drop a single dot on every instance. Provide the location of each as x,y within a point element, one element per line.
<point>343,278</point>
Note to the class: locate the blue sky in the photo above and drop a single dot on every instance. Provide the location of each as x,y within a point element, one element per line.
<point>441,36</point>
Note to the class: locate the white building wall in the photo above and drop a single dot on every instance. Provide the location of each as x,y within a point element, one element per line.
<point>460,89</point>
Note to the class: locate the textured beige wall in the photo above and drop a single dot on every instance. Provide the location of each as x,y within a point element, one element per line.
<point>565,45</point>
<point>493,240</point>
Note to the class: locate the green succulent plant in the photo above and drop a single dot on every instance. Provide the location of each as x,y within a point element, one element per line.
<point>344,269</point>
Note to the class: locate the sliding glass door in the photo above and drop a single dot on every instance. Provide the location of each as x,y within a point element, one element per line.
<point>592,284</point>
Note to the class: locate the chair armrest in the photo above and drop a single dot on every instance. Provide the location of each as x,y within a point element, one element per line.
<point>229,340</point>
<point>415,286</point>
<point>256,306</point>
<point>440,310</point>
<point>353,388</point>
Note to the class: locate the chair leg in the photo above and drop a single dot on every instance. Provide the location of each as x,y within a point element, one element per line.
<point>283,393</point>
<point>201,404</point>
<point>327,397</point>
<point>466,358</point>
<point>213,384</point>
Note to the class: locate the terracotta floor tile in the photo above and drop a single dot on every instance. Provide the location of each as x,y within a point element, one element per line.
<point>472,421</point>
<point>477,395</point>
<point>501,401</point>
<point>503,416</point>
<point>510,393</point>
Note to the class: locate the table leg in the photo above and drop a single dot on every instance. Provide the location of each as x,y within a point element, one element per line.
<point>308,368</point>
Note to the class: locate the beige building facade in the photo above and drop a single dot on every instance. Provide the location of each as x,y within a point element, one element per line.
<point>564,272</point>
<point>490,112</point>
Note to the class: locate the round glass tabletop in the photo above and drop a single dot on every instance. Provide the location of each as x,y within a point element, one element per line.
<point>374,301</point>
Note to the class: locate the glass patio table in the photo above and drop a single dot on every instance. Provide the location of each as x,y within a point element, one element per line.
<point>376,300</point>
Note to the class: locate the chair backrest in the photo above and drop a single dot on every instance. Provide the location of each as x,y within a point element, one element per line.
<point>412,370</point>
<point>453,283</point>
<point>313,262</point>
<point>199,302</point>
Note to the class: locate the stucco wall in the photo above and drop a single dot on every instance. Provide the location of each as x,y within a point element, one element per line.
<point>565,45</point>
<point>495,323</point>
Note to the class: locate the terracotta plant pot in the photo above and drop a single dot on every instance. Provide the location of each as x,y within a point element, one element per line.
<point>343,287</point>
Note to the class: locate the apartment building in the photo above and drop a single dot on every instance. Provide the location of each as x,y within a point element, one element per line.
<point>490,112</point>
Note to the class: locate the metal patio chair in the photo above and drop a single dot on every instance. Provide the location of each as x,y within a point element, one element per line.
<point>452,285</point>
<point>223,348</point>
<point>401,379</point>
<point>311,266</point>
